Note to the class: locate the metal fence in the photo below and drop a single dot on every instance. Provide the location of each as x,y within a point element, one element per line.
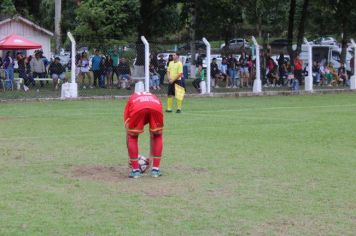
<point>113,70</point>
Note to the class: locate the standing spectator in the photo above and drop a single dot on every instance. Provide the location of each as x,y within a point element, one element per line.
<point>244,75</point>
<point>124,74</point>
<point>56,70</point>
<point>282,69</point>
<point>109,70</point>
<point>232,68</point>
<point>95,66</point>
<point>174,74</point>
<point>214,73</point>
<point>142,109</point>
<point>170,58</point>
<point>9,68</point>
<point>115,62</point>
<point>251,69</point>
<point>37,67</point>
<point>22,69</point>
<point>84,69</point>
<point>161,69</point>
<point>352,64</point>
<point>28,71</point>
<point>199,61</point>
<point>45,62</point>
<point>298,69</point>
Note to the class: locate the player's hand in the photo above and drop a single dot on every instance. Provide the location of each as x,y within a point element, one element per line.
<point>170,81</point>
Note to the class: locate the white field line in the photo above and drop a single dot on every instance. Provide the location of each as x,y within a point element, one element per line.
<point>274,108</point>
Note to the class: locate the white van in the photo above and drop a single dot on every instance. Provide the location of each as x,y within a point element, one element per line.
<point>325,54</point>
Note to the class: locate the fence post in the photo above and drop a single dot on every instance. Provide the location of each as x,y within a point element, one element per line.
<point>208,59</point>
<point>309,79</point>
<point>73,86</point>
<point>257,84</point>
<point>353,77</point>
<point>147,64</point>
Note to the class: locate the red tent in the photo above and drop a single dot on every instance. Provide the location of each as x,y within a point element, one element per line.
<point>14,41</point>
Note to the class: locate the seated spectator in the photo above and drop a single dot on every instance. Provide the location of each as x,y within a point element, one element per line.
<point>38,68</point>
<point>223,73</point>
<point>331,75</point>
<point>199,75</point>
<point>124,74</point>
<point>343,75</point>
<point>272,72</point>
<point>323,78</point>
<point>316,72</point>
<point>154,78</point>
<point>214,72</point>
<point>290,74</point>
<point>56,70</point>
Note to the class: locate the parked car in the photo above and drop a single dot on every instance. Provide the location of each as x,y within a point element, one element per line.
<point>237,43</point>
<point>326,41</point>
<point>279,43</point>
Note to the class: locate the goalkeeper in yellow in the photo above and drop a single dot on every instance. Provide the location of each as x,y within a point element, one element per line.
<point>175,74</point>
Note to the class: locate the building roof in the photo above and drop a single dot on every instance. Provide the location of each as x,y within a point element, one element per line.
<point>28,22</point>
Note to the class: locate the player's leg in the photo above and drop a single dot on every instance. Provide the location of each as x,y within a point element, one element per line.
<point>156,141</point>
<point>170,97</point>
<point>132,148</point>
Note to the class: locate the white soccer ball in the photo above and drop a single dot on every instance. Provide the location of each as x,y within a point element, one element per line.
<point>144,163</point>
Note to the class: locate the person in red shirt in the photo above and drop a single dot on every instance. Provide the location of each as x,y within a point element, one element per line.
<point>144,108</point>
<point>298,69</point>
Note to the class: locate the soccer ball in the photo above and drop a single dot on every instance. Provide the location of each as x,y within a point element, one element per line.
<point>144,163</point>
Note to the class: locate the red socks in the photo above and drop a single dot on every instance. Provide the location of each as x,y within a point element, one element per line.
<point>132,148</point>
<point>156,149</point>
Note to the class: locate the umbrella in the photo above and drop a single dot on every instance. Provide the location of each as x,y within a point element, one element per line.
<point>14,41</point>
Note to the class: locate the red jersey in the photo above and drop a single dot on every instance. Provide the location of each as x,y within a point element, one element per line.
<point>140,101</point>
<point>298,64</point>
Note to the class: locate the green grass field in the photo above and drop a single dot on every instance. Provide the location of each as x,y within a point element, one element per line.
<point>231,166</point>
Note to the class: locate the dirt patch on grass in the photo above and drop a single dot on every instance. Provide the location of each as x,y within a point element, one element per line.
<point>292,226</point>
<point>4,118</point>
<point>120,173</point>
<point>100,173</point>
<point>165,186</point>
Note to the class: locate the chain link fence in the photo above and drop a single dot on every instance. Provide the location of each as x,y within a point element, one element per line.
<point>113,70</point>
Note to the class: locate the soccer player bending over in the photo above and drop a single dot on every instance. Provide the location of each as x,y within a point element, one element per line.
<point>144,108</point>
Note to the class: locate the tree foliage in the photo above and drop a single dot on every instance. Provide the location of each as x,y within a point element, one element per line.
<point>97,21</point>
<point>7,8</point>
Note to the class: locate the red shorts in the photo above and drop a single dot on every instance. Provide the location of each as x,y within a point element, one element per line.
<point>137,121</point>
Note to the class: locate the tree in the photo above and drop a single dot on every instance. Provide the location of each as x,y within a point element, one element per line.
<point>301,26</point>
<point>101,21</point>
<point>7,8</point>
<point>267,16</point>
<point>57,23</point>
